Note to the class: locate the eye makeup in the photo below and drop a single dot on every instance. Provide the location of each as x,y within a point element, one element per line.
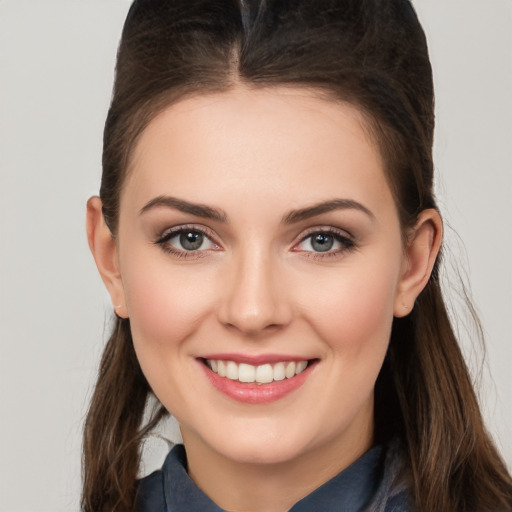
<point>325,242</point>
<point>195,242</point>
<point>192,241</point>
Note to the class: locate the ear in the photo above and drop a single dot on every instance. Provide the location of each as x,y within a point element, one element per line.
<point>104,250</point>
<point>423,244</point>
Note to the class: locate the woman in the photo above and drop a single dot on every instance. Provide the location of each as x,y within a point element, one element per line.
<point>268,234</point>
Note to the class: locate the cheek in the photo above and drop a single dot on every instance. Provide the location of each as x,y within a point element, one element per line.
<point>166,307</point>
<point>353,316</point>
<point>165,303</point>
<point>353,312</point>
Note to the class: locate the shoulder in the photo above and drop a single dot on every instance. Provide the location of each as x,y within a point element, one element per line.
<point>157,492</point>
<point>399,503</point>
<point>150,494</point>
<point>394,493</point>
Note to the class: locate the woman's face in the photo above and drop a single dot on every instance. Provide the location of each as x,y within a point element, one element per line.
<point>257,235</point>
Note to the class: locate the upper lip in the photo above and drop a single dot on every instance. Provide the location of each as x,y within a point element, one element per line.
<point>256,360</point>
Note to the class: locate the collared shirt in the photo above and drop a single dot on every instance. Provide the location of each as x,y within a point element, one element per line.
<point>363,486</point>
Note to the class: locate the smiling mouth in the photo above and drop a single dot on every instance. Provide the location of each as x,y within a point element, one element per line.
<point>256,374</point>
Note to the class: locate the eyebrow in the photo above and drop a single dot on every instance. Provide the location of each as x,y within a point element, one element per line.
<point>199,210</point>
<point>207,212</point>
<point>325,207</point>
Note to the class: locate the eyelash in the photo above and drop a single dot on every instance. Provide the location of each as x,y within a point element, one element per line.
<point>163,240</point>
<point>347,242</point>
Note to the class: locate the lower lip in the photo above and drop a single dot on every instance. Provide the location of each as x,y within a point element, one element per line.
<point>253,393</point>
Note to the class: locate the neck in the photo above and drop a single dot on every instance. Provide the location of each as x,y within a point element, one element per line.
<point>275,487</point>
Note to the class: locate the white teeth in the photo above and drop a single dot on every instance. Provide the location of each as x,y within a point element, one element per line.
<point>246,373</point>
<point>279,371</point>
<point>290,370</point>
<point>221,368</point>
<point>262,374</point>
<point>232,370</point>
<point>301,366</point>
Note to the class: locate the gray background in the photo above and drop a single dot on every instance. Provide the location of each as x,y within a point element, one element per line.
<point>56,69</point>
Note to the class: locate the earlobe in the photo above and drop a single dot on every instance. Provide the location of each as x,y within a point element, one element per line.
<point>104,250</point>
<point>421,252</point>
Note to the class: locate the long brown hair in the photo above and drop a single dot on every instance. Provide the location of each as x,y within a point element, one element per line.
<point>373,54</point>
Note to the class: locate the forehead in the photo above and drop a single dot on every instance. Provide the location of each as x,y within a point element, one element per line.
<point>279,141</point>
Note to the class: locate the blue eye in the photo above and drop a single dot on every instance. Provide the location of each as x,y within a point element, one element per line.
<point>190,240</point>
<point>186,240</point>
<point>322,242</point>
<point>330,242</point>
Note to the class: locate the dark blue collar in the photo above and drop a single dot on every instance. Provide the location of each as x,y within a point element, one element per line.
<point>172,490</point>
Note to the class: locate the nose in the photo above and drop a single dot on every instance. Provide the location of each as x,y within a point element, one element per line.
<point>254,298</point>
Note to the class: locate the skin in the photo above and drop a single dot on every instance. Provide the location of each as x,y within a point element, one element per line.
<point>260,287</point>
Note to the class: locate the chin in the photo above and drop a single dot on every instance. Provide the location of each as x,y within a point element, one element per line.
<point>260,446</point>
<point>262,452</point>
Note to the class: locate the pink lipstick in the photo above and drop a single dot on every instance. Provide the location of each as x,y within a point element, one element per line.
<point>256,380</point>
